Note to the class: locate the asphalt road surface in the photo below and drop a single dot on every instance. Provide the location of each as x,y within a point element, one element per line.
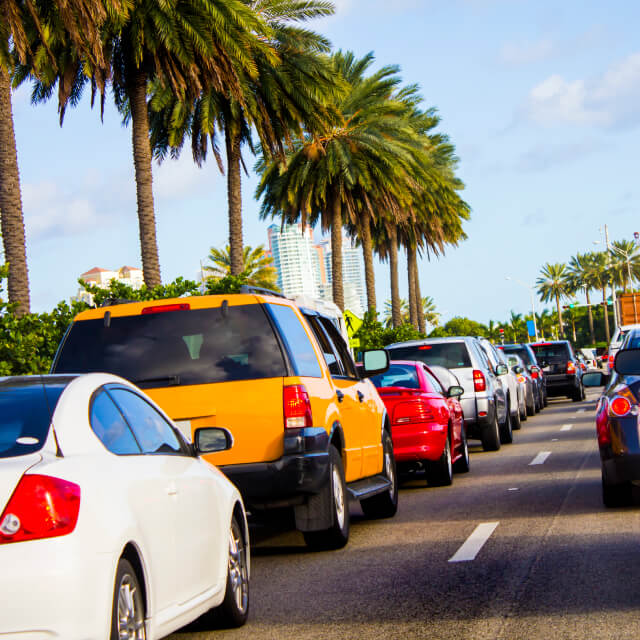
<point>547,560</point>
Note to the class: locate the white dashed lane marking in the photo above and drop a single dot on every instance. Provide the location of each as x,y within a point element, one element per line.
<point>540,458</point>
<point>566,427</point>
<point>580,411</point>
<point>472,545</point>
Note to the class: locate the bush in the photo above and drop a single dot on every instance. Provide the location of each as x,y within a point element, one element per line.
<point>372,334</point>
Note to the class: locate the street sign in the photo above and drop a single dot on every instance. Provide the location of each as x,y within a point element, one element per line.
<point>353,324</point>
<point>531,328</point>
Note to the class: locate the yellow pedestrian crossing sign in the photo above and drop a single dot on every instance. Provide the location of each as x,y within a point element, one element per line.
<point>353,323</point>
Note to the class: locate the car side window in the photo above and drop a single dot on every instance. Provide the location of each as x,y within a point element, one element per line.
<point>341,347</point>
<point>152,431</point>
<point>328,351</point>
<point>435,384</point>
<point>110,426</point>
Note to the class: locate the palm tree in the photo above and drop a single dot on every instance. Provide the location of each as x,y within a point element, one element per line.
<point>553,284</point>
<point>602,275</point>
<point>256,265</point>
<point>625,262</point>
<point>582,276</point>
<point>26,29</point>
<point>287,95</point>
<point>429,312</point>
<point>388,314</point>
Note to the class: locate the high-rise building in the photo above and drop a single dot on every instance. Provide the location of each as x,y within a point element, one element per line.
<point>295,259</point>
<point>352,276</point>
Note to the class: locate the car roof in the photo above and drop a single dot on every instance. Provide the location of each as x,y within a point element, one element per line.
<point>412,343</point>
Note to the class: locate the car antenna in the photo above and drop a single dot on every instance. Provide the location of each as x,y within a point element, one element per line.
<point>53,428</point>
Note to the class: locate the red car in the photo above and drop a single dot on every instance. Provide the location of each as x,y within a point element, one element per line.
<point>427,425</point>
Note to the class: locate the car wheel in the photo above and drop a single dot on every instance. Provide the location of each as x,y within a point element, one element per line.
<point>440,472</point>
<point>515,421</point>
<point>127,612</point>
<point>384,505</point>
<point>523,410</point>
<point>337,535</point>
<point>545,400</point>
<point>531,406</point>
<point>491,436</point>
<point>462,464</point>
<point>577,395</point>
<point>506,432</point>
<point>616,495</point>
<point>584,393</point>
<point>537,404</point>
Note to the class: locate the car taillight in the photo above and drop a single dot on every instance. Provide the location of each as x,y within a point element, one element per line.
<point>535,375</point>
<point>571,368</point>
<point>479,383</point>
<point>619,407</point>
<point>40,507</point>
<point>521,379</point>
<point>611,359</point>
<point>602,425</point>
<point>417,411</point>
<point>297,407</point>
<point>163,308</point>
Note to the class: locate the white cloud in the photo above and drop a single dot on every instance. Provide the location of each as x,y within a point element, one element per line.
<point>181,177</point>
<point>527,52</point>
<point>609,100</point>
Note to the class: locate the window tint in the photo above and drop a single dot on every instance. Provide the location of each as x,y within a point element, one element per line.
<point>110,427</point>
<point>328,352</point>
<point>397,375</point>
<point>305,362</point>
<point>177,347</point>
<point>341,347</point>
<point>25,414</point>
<point>520,351</point>
<point>452,355</point>
<point>152,431</point>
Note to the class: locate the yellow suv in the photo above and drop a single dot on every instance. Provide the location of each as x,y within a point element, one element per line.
<point>308,431</point>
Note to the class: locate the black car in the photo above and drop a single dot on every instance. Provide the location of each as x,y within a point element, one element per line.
<point>562,371</point>
<point>529,358</point>
<point>617,426</point>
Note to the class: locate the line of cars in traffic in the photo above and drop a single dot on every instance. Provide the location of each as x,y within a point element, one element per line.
<point>105,478</point>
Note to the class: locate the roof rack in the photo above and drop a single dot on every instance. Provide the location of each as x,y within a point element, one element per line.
<point>246,288</point>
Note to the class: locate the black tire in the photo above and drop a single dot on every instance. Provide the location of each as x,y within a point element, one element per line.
<point>545,400</point>
<point>506,432</point>
<point>337,535</point>
<point>616,495</point>
<point>584,393</point>
<point>234,610</point>
<point>577,395</point>
<point>491,436</point>
<point>516,423</point>
<point>128,608</point>
<point>523,410</point>
<point>537,404</point>
<point>384,505</point>
<point>531,407</point>
<point>440,472</point>
<point>463,463</point>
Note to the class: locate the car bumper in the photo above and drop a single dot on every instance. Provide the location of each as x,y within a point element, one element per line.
<point>54,588</point>
<point>421,441</point>
<point>562,385</point>
<point>620,469</point>
<point>302,470</point>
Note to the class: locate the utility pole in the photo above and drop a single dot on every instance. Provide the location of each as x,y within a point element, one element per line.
<point>613,286</point>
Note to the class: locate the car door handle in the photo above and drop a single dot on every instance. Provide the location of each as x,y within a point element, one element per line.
<point>339,395</point>
<point>360,396</point>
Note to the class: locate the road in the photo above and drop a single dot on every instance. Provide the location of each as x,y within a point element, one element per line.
<point>556,565</point>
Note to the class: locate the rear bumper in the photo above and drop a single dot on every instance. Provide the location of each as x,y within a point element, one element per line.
<point>620,469</point>
<point>303,470</point>
<point>562,385</point>
<point>421,441</point>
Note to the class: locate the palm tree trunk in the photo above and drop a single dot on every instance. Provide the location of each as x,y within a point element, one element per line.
<point>369,276</point>
<point>396,315</point>
<point>606,314</point>
<point>336,254</point>
<point>144,179</point>
<point>234,195</point>
<point>573,329</point>
<point>11,219</point>
<point>413,302</point>
<point>559,317</point>
<point>421,323</point>
<point>591,331</point>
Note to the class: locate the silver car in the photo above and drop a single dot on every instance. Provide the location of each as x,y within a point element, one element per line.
<point>526,384</point>
<point>484,401</point>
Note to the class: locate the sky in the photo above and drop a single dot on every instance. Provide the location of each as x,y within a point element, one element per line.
<point>541,100</point>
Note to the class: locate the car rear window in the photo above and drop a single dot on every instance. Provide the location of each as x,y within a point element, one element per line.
<point>558,352</point>
<point>26,408</point>
<point>178,347</point>
<point>452,355</point>
<point>397,375</point>
<point>519,351</point>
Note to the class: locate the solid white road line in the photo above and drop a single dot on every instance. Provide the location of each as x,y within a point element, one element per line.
<point>566,427</point>
<point>540,458</point>
<point>472,545</point>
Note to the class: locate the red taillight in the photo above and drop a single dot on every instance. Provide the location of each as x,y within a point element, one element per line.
<point>424,347</point>
<point>521,379</point>
<point>297,407</point>
<point>535,375</point>
<point>479,383</point>
<point>571,368</point>
<point>40,507</point>
<point>619,407</point>
<point>611,359</point>
<point>417,411</point>
<point>162,308</point>
<point>602,426</point>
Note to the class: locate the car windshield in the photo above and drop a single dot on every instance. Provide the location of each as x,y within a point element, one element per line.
<point>179,347</point>
<point>551,352</point>
<point>26,407</point>
<point>397,375</point>
<point>452,355</point>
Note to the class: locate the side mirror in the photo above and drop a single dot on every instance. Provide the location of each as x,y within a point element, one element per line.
<point>212,440</point>
<point>374,362</point>
<point>454,391</point>
<point>594,379</point>
<point>501,370</point>
<point>627,362</point>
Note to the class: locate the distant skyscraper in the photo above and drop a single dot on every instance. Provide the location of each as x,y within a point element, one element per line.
<point>352,276</point>
<point>295,259</point>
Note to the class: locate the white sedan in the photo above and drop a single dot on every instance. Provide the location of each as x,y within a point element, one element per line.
<point>111,526</point>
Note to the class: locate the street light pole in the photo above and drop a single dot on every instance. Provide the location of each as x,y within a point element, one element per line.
<point>613,286</point>
<point>533,306</point>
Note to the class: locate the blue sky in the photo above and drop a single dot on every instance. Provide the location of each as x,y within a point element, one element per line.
<point>541,99</point>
